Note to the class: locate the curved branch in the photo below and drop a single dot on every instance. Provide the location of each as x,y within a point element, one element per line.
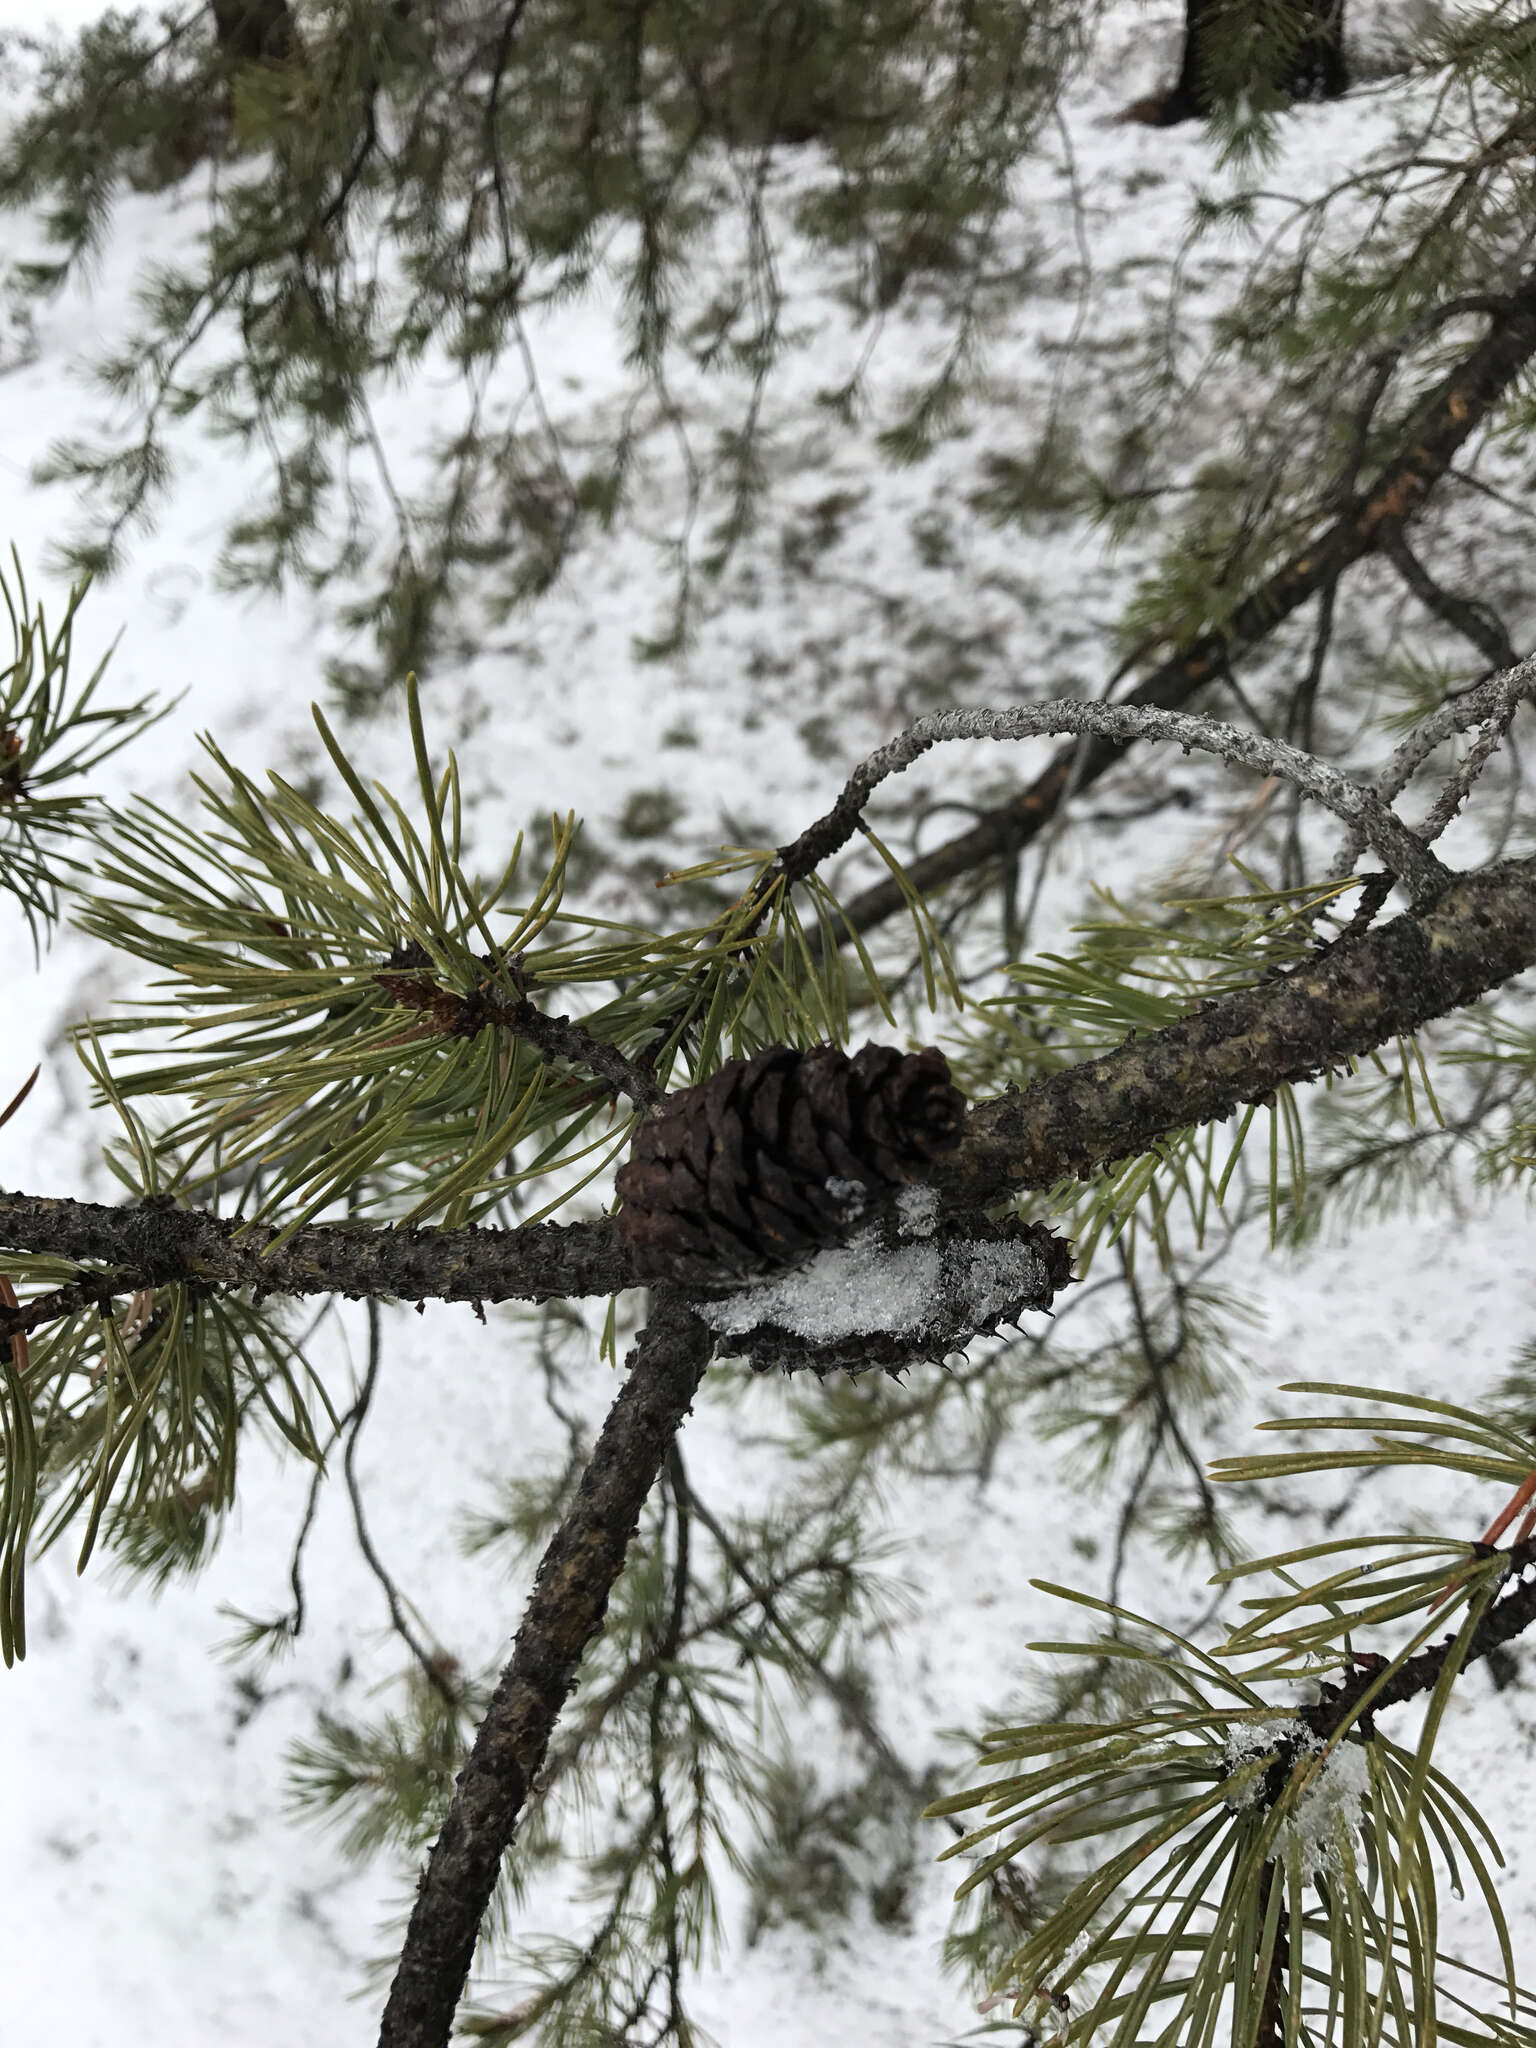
<point>1491,704</point>
<point>1474,620</point>
<point>1433,435</point>
<point>570,1596</point>
<point>1361,808</point>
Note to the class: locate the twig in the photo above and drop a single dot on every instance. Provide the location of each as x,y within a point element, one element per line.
<point>1455,715</point>
<point>570,1595</point>
<point>434,1666</point>
<point>1374,891</point>
<point>1301,717</point>
<point>1384,364</point>
<point>451,1015</point>
<point>1362,809</point>
<point>1364,1694</point>
<point>1511,689</point>
<point>852,1708</point>
<point>1157,1359</point>
<point>292,1623</point>
<point>1432,437</point>
<point>1474,621</point>
<point>1494,701</point>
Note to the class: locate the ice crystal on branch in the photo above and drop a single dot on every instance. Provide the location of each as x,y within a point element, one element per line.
<point>1330,1810</point>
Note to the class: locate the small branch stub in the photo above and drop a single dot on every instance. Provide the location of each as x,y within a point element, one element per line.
<point>774,1157</point>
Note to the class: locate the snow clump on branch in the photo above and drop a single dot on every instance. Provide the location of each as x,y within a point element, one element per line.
<point>902,1290</point>
<point>1330,1811</point>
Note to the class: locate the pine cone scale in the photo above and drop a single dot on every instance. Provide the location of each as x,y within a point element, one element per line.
<point>729,1178</point>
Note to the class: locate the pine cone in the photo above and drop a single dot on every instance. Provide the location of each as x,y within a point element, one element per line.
<point>774,1156</point>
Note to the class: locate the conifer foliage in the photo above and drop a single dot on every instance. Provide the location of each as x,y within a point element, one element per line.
<point>836,1103</point>
<point>474,159</point>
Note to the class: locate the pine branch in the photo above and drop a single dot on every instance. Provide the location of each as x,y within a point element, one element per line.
<point>1361,808</point>
<point>1438,429</point>
<point>449,1015</point>
<point>1453,716</point>
<point>1363,1694</point>
<point>570,1596</point>
<point>1456,791</point>
<point>153,1244</point>
<point>1384,985</point>
<point>1491,704</point>
<point>1475,621</point>
<point>1347,1001</point>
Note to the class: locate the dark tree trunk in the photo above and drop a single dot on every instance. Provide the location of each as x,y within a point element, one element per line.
<point>1315,70</point>
<point>255,31</point>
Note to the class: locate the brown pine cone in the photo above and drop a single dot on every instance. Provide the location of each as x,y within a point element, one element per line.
<point>773,1156</point>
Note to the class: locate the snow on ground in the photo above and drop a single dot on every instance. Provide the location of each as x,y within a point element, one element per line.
<point>154,1889</point>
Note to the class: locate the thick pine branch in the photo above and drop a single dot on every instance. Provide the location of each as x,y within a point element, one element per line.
<point>1364,526</point>
<point>1334,1007</point>
<point>570,1596</point>
<point>1362,994</point>
<point>153,1244</point>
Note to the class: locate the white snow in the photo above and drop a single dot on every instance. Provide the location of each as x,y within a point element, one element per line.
<point>917,1211</point>
<point>848,1290</point>
<point>995,1274</point>
<point>155,1888</point>
<point>852,1195</point>
<point>1329,1813</point>
<point>910,1288</point>
<point>1331,1808</point>
<point>1255,1739</point>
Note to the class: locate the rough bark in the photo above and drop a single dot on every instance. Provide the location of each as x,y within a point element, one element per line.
<point>153,1244</point>
<point>1480,934</point>
<point>570,1596</point>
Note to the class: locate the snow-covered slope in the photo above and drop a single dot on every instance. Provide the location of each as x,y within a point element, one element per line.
<point>153,1888</point>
